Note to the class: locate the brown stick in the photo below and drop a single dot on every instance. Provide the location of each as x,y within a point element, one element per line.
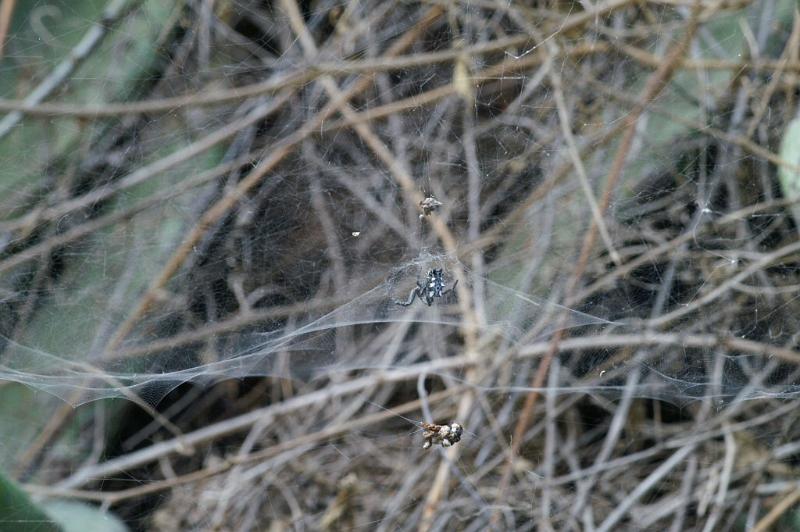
<point>766,522</point>
<point>6,12</point>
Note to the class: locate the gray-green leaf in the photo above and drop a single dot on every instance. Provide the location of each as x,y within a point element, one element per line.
<point>789,177</point>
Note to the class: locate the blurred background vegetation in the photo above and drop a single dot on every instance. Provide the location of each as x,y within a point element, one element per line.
<point>177,177</point>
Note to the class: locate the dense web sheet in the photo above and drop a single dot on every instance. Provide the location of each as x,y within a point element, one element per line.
<point>306,351</point>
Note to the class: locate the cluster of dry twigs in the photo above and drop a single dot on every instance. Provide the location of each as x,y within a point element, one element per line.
<point>617,157</point>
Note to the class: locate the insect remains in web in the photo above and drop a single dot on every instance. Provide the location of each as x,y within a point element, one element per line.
<point>427,292</point>
<point>429,205</point>
<point>444,435</point>
<point>432,434</point>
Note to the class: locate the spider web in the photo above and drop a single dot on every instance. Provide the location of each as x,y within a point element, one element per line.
<point>302,352</point>
<point>69,345</point>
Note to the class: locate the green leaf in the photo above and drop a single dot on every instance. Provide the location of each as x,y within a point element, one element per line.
<point>76,516</point>
<point>19,512</point>
<point>788,177</point>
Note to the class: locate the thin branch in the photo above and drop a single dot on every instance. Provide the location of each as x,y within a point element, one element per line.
<point>115,11</point>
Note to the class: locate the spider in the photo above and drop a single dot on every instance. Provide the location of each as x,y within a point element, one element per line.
<point>429,205</point>
<point>432,288</point>
<point>446,435</point>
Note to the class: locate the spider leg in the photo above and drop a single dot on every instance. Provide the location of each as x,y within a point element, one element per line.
<point>413,295</point>
<point>451,289</point>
